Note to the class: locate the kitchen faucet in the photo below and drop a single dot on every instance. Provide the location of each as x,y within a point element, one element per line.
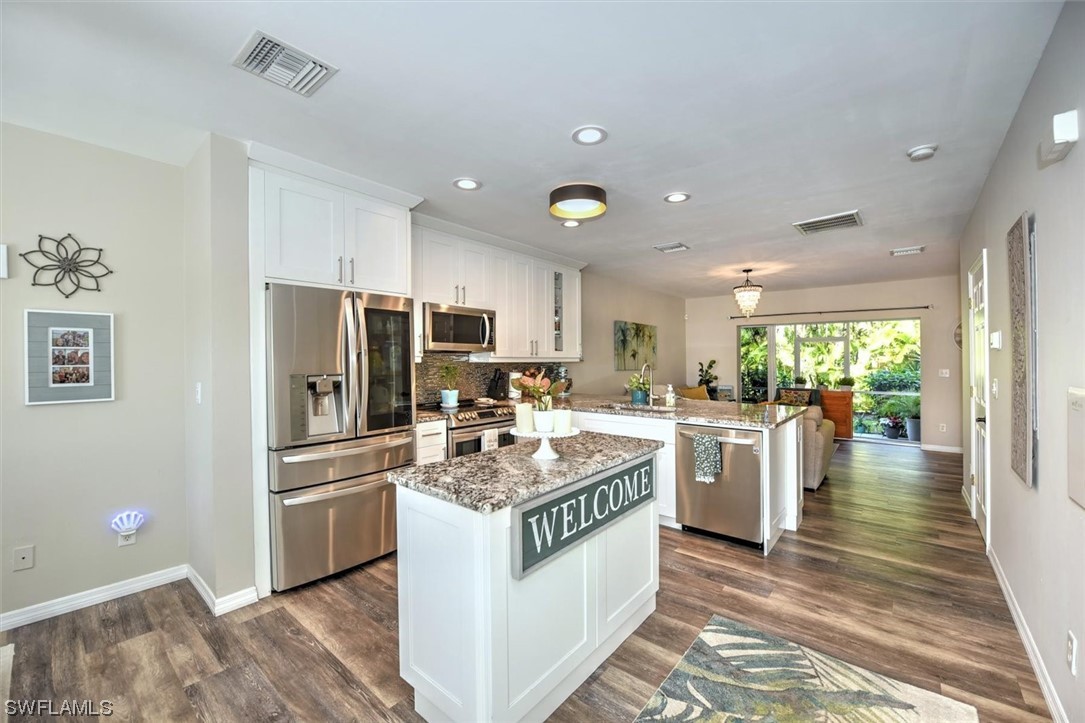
<point>651,380</point>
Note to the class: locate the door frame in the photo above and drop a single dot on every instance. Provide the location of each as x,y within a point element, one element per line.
<point>978,271</point>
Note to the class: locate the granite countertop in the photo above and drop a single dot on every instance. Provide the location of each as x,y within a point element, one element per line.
<point>694,411</point>
<point>425,415</point>
<point>493,480</point>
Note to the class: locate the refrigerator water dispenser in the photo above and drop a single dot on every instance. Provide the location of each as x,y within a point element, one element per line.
<point>318,406</point>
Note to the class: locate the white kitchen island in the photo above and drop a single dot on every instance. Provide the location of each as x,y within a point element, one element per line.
<point>517,577</point>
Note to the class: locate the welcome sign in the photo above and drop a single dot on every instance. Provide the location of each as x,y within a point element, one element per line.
<point>548,525</point>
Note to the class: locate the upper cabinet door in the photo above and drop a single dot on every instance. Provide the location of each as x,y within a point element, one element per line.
<point>474,278</point>
<point>303,231</point>
<point>565,326</point>
<point>377,246</point>
<point>440,268</point>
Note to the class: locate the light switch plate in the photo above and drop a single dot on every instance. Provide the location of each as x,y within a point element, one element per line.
<point>994,388</point>
<point>996,339</point>
<point>943,373</point>
<point>3,261</point>
<point>1075,451</point>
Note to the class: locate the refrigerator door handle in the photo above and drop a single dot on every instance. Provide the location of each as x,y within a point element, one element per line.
<point>362,364</point>
<point>350,361</point>
<point>317,456</point>
<point>322,496</point>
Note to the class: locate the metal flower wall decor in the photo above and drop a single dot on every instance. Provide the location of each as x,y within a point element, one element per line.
<point>68,269</point>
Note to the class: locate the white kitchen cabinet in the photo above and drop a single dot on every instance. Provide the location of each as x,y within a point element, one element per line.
<point>377,247</point>
<point>303,228</point>
<point>430,442</point>
<point>319,233</point>
<point>454,271</point>
<point>538,308</point>
<point>642,428</point>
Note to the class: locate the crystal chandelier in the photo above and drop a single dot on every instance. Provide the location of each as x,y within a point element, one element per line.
<point>747,295</point>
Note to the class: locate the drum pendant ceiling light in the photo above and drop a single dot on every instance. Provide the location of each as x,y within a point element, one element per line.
<point>578,202</point>
<point>747,295</point>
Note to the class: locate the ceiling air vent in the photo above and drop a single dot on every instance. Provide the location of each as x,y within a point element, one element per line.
<point>673,247</point>
<point>283,65</point>
<point>850,219</point>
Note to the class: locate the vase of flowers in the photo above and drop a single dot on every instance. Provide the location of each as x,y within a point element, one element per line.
<point>534,384</point>
<point>638,388</point>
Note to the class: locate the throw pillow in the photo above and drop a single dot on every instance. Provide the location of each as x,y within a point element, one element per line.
<point>693,392</point>
<point>795,397</point>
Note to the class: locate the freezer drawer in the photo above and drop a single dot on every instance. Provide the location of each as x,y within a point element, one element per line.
<point>292,469</point>
<point>322,530</point>
<point>731,505</point>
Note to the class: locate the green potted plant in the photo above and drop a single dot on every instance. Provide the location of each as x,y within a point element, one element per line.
<point>449,374</point>
<point>910,409</point>
<point>638,388</point>
<point>846,383</point>
<point>706,378</point>
<point>892,418</point>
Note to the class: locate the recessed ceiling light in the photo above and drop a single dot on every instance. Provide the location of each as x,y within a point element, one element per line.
<point>571,223</point>
<point>589,135</point>
<point>907,251</point>
<point>922,153</point>
<point>677,197</point>
<point>467,184</point>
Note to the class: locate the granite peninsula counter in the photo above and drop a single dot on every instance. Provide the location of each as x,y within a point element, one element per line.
<point>519,577</point>
<point>780,450</point>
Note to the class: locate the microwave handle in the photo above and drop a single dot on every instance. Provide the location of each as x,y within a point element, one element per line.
<point>484,330</point>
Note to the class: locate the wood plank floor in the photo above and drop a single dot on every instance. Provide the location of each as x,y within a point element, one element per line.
<point>887,572</point>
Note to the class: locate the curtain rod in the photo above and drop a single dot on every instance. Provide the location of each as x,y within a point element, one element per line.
<point>840,311</point>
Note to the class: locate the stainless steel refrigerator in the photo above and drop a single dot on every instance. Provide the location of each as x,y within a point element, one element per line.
<point>340,415</point>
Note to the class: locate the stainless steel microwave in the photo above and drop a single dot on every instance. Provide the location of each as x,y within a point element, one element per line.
<point>457,328</point>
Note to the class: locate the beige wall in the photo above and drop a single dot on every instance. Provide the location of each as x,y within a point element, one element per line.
<point>1038,534</point>
<point>606,300</point>
<point>66,469</point>
<point>218,429</point>
<point>711,334</point>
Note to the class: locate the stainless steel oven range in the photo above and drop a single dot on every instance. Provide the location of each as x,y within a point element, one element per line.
<point>471,424</point>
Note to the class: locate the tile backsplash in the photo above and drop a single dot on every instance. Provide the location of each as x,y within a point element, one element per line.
<point>474,376</point>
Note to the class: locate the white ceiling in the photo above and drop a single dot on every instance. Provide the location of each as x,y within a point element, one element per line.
<point>766,113</point>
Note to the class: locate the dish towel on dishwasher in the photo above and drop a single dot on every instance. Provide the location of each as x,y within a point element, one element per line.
<point>489,439</point>
<point>707,461</point>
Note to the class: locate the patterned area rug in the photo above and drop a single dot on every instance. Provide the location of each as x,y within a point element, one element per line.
<point>733,672</point>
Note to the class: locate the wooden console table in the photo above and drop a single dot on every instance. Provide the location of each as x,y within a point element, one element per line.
<point>837,406</point>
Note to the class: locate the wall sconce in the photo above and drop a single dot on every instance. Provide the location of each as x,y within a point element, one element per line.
<point>1064,134</point>
<point>125,525</point>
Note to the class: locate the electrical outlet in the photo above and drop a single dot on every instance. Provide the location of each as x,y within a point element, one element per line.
<point>943,373</point>
<point>199,393</point>
<point>23,558</point>
<point>124,540</point>
<point>994,388</point>
<point>1071,653</point>
<point>941,427</point>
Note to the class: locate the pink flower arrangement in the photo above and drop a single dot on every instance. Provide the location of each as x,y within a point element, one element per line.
<point>535,384</point>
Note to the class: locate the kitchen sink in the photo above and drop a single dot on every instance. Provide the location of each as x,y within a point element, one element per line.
<point>639,407</point>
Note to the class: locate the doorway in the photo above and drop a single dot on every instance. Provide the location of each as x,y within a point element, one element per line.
<point>978,363</point>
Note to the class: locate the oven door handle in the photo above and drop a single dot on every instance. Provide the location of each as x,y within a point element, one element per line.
<point>477,433</point>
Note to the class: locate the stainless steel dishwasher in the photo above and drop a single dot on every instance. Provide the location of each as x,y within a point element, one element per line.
<point>731,504</point>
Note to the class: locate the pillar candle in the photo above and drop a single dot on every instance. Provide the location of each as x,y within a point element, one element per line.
<point>563,421</point>
<point>525,423</point>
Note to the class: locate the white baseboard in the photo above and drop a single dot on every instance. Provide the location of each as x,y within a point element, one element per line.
<point>68,603</point>
<point>1058,713</point>
<point>968,501</point>
<point>941,448</point>
<point>79,600</point>
<point>221,605</point>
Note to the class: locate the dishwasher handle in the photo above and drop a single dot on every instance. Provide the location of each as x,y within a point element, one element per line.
<point>723,440</point>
